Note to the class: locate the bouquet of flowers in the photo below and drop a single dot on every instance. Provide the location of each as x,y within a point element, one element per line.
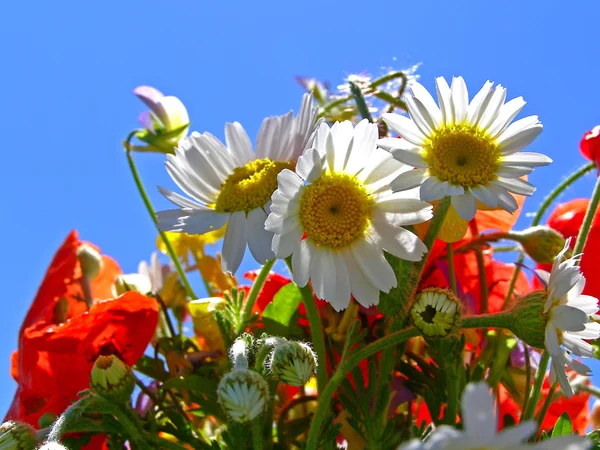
<point>405,311</point>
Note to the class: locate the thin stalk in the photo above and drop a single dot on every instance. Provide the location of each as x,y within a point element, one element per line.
<point>587,220</point>
<point>340,374</point>
<point>253,295</point>
<point>546,406</point>
<point>258,438</point>
<point>359,98</point>
<point>451,271</point>
<point>483,286</point>
<point>537,387</point>
<point>316,332</point>
<point>166,314</point>
<point>150,209</point>
<point>527,377</point>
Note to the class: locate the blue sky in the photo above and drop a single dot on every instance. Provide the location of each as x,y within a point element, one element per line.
<point>69,70</point>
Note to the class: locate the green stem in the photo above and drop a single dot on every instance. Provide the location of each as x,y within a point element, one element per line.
<point>452,405</point>
<point>343,369</point>
<point>497,320</point>
<point>451,271</point>
<point>527,377</point>
<point>150,208</point>
<point>483,286</point>
<point>316,332</point>
<point>587,220</point>
<point>592,390</point>
<point>359,98</point>
<point>253,295</point>
<point>547,402</point>
<point>258,440</point>
<point>537,387</point>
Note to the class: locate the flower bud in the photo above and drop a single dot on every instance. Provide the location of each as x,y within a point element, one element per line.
<point>293,363</point>
<point>131,282</point>
<point>90,261</point>
<point>541,243</point>
<point>205,325</point>
<point>435,312</point>
<point>112,379</point>
<point>527,318</point>
<point>17,436</point>
<point>243,394</point>
<point>47,419</point>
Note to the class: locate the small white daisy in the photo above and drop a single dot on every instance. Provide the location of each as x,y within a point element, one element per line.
<point>233,185</point>
<point>569,322</point>
<point>480,429</point>
<point>149,278</point>
<point>336,214</point>
<point>469,151</point>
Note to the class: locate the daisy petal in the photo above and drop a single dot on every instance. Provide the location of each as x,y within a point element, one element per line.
<point>409,180</point>
<point>404,127</point>
<point>238,143</point>
<point>260,241</point>
<point>234,242</point>
<point>465,205</point>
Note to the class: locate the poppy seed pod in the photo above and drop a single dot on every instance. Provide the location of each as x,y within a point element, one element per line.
<point>90,260</point>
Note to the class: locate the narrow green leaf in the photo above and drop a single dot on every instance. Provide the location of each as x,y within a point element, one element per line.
<point>563,426</point>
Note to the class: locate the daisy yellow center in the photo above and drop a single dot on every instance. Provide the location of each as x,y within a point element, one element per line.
<point>335,210</point>
<point>250,186</point>
<point>462,155</point>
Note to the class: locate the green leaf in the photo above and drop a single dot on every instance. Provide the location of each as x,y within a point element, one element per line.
<point>563,426</point>
<point>153,368</point>
<point>278,314</point>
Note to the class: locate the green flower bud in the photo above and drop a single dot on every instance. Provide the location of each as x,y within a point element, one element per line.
<point>293,363</point>
<point>243,394</point>
<point>90,260</point>
<point>112,379</point>
<point>47,420</point>
<point>541,243</point>
<point>528,321</point>
<point>17,436</point>
<point>436,312</point>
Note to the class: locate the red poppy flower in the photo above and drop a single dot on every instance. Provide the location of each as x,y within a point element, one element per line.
<point>590,145</point>
<point>60,340</point>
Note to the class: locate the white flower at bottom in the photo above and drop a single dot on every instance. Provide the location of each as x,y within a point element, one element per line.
<point>468,151</point>
<point>348,214</point>
<point>232,186</point>
<point>568,315</point>
<point>480,430</point>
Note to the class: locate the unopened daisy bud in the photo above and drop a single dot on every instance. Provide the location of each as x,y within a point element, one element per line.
<point>527,318</point>
<point>541,243</point>
<point>90,260</point>
<point>17,436</point>
<point>243,394</point>
<point>293,363</point>
<point>435,312</point>
<point>112,379</point>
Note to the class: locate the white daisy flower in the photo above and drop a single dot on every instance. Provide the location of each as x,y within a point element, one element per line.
<point>233,185</point>
<point>480,429</point>
<point>149,278</point>
<point>568,315</point>
<point>339,198</point>
<point>469,151</point>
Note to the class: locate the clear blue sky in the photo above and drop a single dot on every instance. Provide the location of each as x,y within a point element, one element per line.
<point>68,69</point>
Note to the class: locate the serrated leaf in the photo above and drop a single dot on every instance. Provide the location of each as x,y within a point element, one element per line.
<point>563,426</point>
<point>278,314</point>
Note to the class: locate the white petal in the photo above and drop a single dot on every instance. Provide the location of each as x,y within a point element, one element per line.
<point>342,134</point>
<point>492,109</point>
<point>190,221</point>
<point>365,143</point>
<point>509,171</point>
<point>259,241</point>
<point>301,263</point>
<point>396,240</point>
<point>409,180</point>
<point>432,189</point>
<point>544,275</point>
<point>363,291</point>
<point>412,157</point>
<point>341,296</point>
<point>563,443</point>
<point>520,140</point>
<point>180,200</point>
<point>443,94</point>
<point>516,185</point>
<point>479,412</point>
<point>577,346</point>
<point>478,102</point>
<point>396,203</point>
<point>281,225</point>
<point>465,205</point>
<point>459,99</point>
<point>508,112</point>
<point>234,242</point>
<point>285,244</point>
<point>204,193</point>
<point>551,341</point>
<point>309,165</point>
<point>558,367</point>
<point>568,318</point>
<point>289,184</point>
<point>238,143</point>
<point>322,273</point>
<point>510,438</point>
<point>428,102</point>
<point>404,127</point>
<point>505,200</point>
<point>452,189</point>
<point>373,265</point>
<point>527,159</point>
<point>484,195</point>
<point>420,116</point>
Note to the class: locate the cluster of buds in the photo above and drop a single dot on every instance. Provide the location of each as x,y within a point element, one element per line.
<point>17,436</point>
<point>112,379</point>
